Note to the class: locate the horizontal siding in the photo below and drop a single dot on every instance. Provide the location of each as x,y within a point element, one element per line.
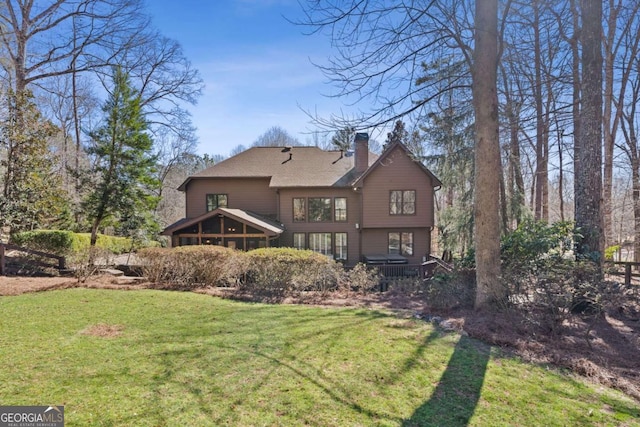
<point>376,242</point>
<point>396,172</point>
<point>349,227</point>
<point>251,194</point>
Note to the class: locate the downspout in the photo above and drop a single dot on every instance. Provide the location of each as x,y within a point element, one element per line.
<point>359,223</point>
<point>277,215</point>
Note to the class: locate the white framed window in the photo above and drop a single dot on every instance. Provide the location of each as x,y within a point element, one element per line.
<point>299,240</point>
<point>321,243</point>
<point>341,246</point>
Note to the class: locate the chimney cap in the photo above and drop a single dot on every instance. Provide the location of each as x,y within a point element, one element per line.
<point>362,136</point>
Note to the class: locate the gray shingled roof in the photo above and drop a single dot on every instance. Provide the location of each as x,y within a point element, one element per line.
<point>298,167</point>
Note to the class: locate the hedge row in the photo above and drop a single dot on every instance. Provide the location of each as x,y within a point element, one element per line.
<point>267,271</point>
<point>65,243</point>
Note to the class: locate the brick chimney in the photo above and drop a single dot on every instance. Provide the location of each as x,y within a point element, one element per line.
<point>361,152</point>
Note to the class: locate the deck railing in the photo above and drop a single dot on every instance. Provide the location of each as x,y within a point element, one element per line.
<point>390,273</point>
<point>628,272</point>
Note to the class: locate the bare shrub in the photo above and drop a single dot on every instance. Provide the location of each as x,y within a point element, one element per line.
<point>88,262</point>
<point>360,279</point>
<point>155,264</point>
<point>209,265</point>
<point>409,286</point>
<point>189,267</point>
<point>559,288</point>
<point>445,291</point>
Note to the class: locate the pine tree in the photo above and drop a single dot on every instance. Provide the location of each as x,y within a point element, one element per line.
<point>32,195</point>
<point>343,138</point>
<point>124,164</point>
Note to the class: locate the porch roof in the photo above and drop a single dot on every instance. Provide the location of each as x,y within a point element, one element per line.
<point>269,227</point>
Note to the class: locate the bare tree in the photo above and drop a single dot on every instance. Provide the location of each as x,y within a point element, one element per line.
<point>378,65</point>
<point>275,137</point>
<point>165,79</point>
<point>237,150</point>
<point>42,41</point>
<point>65,105</point>
<point>621,48</point>
<point>631,148</point>
<point>56,48</point>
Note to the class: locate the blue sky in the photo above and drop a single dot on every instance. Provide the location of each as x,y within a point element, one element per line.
<point>256,67</point>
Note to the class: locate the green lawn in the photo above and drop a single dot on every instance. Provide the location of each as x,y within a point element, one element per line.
<point>185,359</point>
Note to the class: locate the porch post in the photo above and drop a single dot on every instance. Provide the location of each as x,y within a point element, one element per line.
<point>222,239</point>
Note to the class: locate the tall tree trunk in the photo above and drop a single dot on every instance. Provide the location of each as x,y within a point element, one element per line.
<point>561,174</point>
<point>621,34</point>
<point>541,160</point>
<point>606,122</point>
<point>636,209</point>
<point>588,146</point>
<point>487,156</point>
<point>515,181</point>
<point>503,204</point>
<point>577,86</point>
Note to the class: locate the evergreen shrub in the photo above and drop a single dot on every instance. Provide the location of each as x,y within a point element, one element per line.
<point>65,243</point>
<point>288,271</point>
<point>449,290</point>
<point>58,242</point>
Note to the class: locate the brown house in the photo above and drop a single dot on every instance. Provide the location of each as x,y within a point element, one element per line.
<point>351,206</point>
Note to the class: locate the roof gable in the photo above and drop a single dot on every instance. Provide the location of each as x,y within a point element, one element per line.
<point>266,225</point>
<point>385,157</point>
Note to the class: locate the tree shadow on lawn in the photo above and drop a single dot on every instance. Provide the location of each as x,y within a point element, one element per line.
<point>199,395</point>
<point>454,400</point>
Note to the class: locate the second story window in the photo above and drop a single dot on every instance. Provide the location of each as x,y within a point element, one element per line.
<point>402,202</point>
<point>299,209</point>
<point>215,201</point>
<point>319,209</point>
<point>340,209</point>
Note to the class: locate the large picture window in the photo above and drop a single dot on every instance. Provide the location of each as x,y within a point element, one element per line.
<point>402,202</point>
<point>299,209</point>
<point>299,240</point>
<point>341,247</point>
<point>319,209</point>
<point>215,201</point>
<point>401,243</point>
<point>340,209</point>
<point>320,242</point>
